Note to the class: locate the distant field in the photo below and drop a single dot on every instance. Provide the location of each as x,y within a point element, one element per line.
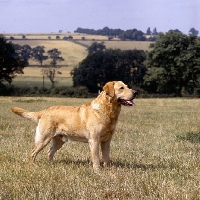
<point>76,36</point>
<point>123,45</point>
<point>71,52</point>
<point>38,81</point>
<point>36,72</point>
<point>33,77</point>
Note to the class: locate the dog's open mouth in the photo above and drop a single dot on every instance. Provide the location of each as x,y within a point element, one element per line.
<point>126,102</point>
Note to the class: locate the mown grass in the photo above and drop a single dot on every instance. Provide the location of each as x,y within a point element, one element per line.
<point>153,153</point>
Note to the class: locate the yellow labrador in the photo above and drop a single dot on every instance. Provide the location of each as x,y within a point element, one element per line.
<point>94,122</point>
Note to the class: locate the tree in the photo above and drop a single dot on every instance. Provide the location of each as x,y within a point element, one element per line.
<point>10,62</point>
<point>193,31</point>
<point>176,30</point>
<point>123,35</point>
<point>155,31</point>
<point>55,57</point>
<point>95,46</point>
<point>70,37</point>
<point>50,73</point>
<point>148,31</point>
<point>38,54</point>
<point>173,62</point>
<point>103,66</point>
<point>24,52</point>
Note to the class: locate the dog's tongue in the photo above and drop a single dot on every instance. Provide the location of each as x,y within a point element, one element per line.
<point>130,103</point>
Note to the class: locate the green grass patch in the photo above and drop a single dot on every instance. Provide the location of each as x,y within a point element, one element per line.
<point>38,82</point>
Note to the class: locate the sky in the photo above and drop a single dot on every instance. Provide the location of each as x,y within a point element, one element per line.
<point>47,16</point>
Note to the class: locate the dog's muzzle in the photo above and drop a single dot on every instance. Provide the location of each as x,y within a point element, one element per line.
<point>128,102</point>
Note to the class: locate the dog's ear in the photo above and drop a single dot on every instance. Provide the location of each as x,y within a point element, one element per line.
<point>109,88</point>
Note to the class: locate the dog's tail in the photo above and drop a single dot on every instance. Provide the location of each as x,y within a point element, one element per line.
<point>33,116</point>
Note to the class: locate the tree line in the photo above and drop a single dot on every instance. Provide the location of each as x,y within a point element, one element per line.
<point>130,34</point>
<point>49,37</point>
<point>171,66</point>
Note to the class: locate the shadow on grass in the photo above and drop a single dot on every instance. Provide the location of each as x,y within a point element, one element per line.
<point>120,164</point>
<point>76,162</point>
<point>191,137</point>
<point>142,166</point>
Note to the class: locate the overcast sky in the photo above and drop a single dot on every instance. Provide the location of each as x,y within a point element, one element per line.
<point>44,16</point>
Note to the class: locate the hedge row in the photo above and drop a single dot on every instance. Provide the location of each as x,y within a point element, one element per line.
<point>79,92</point>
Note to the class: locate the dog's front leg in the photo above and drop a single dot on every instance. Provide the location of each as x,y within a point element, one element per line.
<point>94,149</point>
<point>105,148</point>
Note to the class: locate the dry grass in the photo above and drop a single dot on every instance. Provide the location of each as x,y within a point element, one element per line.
<point>128,45</point>
<point>155,155</point>
<point>71,52</point>
<point>123,45</point>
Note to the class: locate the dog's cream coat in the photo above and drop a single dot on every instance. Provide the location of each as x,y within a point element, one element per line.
<point>94,122</point>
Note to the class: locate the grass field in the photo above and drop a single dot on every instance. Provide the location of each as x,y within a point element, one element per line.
<point>33,77</point>
<point>155,154</point>
<point>123,45</point>
<point>71,52</point>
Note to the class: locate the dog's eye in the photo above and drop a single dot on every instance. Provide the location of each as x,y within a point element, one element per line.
<point>121,88</point>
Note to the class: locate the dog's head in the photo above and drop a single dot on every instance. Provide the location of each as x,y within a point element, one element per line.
<point>120,91</point>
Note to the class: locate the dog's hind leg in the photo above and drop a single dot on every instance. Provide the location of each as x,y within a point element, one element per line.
<point>57,143</point>
<point>38,147</point>
<point>42,138</point>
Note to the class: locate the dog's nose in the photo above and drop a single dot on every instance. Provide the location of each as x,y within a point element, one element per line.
<point>135,93</point>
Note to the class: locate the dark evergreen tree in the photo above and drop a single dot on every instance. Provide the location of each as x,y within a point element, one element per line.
<point>10,62</point>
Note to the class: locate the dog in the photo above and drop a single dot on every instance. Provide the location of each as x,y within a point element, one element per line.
<point>93,122</point>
